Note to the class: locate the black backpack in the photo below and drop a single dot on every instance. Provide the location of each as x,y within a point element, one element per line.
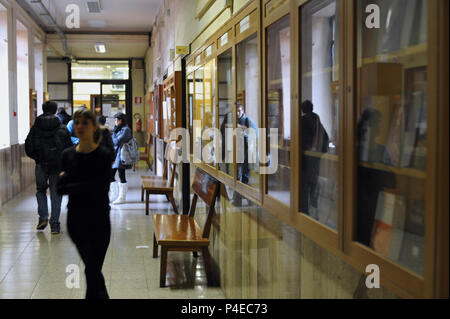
<point>50,152</point>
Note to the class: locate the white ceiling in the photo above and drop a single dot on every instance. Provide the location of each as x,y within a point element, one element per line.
<point>115,15</point>
<point>82,46</point>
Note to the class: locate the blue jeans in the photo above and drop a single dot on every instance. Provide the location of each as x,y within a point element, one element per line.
<point>43,181</point>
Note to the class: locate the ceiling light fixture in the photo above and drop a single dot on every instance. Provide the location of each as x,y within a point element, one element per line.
<point>100,48</point>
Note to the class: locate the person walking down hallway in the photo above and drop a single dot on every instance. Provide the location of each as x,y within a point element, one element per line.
<point>63,116</point>
<point>121,135</point>
<point>85,178</point>
<point>45,143</point>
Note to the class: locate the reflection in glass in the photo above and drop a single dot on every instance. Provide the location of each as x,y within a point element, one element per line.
<point>210,111</point>
<point>224,65</point>
<point>392,131</point>
<point>190,101</point>
<point>198,112</point>
<point>113,101</point>
<point>247,112</point>
<point>320,106</point>
<point>279,106</point>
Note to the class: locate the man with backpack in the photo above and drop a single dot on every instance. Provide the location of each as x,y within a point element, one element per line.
<point>45,142</point>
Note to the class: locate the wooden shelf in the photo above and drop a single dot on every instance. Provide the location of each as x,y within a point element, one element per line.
<point>409,172</point>
<point>399,54</point>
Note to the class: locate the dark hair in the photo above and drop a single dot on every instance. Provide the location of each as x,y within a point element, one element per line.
<point>61,110</point>
<point>122,117</point>
<point>307,106</point>
<point>89,115</point>
<point>102,119</point>
<point>49,107</point>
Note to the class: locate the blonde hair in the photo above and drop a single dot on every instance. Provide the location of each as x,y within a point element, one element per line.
<point>89,115</point>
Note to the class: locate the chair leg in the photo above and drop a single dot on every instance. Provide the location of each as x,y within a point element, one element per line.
<point>147,200</point>
<point>155,247</point>
<point>142,193</point>
<point>148,164</point>
<point>162,278</point>
<point>195,254</point>
<point>172,200</point>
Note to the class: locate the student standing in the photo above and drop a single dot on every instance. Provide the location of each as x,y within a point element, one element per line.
<point>85,178</point>
<point>45,142</point>
<point>121,135</point>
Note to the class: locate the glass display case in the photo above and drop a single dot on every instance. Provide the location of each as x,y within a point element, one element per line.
<point>319,106</point>
<point>278,106</point>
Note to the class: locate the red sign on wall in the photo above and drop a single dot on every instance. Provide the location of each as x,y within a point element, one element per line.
<point>138,100</point>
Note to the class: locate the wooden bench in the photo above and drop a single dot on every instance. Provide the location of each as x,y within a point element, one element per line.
<point>181,232</point>
<point>160,184</point>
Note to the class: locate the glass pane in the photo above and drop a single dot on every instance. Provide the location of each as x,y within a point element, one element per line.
<point>113,101</point>
<point>320,110</point>
<point>210,113</point>
<point>279,105</point>
<point>100,70</point>
<point>84,94</point>
<point>190,101</point>
<point>198,113</point>
<point>23,95</point>
<point>167,113</point>
<point>58,91</point>
<point>4,74</point>
<point>392,131</point>
<point>247,112</point>
<point>224,71</point>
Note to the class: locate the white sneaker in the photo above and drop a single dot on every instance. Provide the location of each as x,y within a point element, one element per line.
<point>113,191</point>
<point>123,187</point>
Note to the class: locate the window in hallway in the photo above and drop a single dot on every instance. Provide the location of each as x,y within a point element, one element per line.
<point>225,95</point>
<point>319,106</point>
<point>210,112</point>
<point>190,110</point>
<point>278,111</point>
<point>4,79</point>
<point>248,110</point>
<point>198,113</point>
<point>100,70</point>
<point>23,107</point>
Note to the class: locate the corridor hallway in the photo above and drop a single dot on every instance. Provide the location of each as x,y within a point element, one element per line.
<point>33,264</point>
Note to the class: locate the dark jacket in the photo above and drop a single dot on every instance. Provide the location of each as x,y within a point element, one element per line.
<point>108,143</point>
<point>120,136</point>
<point>46,141</point>
<point>314,135</point>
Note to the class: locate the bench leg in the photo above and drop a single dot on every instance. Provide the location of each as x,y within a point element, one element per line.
<point>195,254</point>
<point>155,247</point>
<point>207,260</point>
<point>142,194</point>
<point>162,278</point>
<point>147,200</point>
<point>172,200</point>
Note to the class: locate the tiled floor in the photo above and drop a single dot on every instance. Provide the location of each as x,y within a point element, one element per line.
<point>33,264</point>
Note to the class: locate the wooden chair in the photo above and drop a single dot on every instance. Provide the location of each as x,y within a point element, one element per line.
<point>160,185</point>
<point>181,232</point>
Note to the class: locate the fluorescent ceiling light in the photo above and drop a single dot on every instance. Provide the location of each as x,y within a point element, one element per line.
<point>122,69</point>
<point>100,47</point>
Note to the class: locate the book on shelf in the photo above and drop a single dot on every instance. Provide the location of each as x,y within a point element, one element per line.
<point>412,253</point>
<point>388,227</point>
<point>415,219</point>
<point>392,152</point>
<point>412,118</point>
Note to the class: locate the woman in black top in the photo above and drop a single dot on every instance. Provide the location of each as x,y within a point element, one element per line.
<point>85,178</point>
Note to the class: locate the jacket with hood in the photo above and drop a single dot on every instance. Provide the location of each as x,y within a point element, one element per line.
<point>47,130</point>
